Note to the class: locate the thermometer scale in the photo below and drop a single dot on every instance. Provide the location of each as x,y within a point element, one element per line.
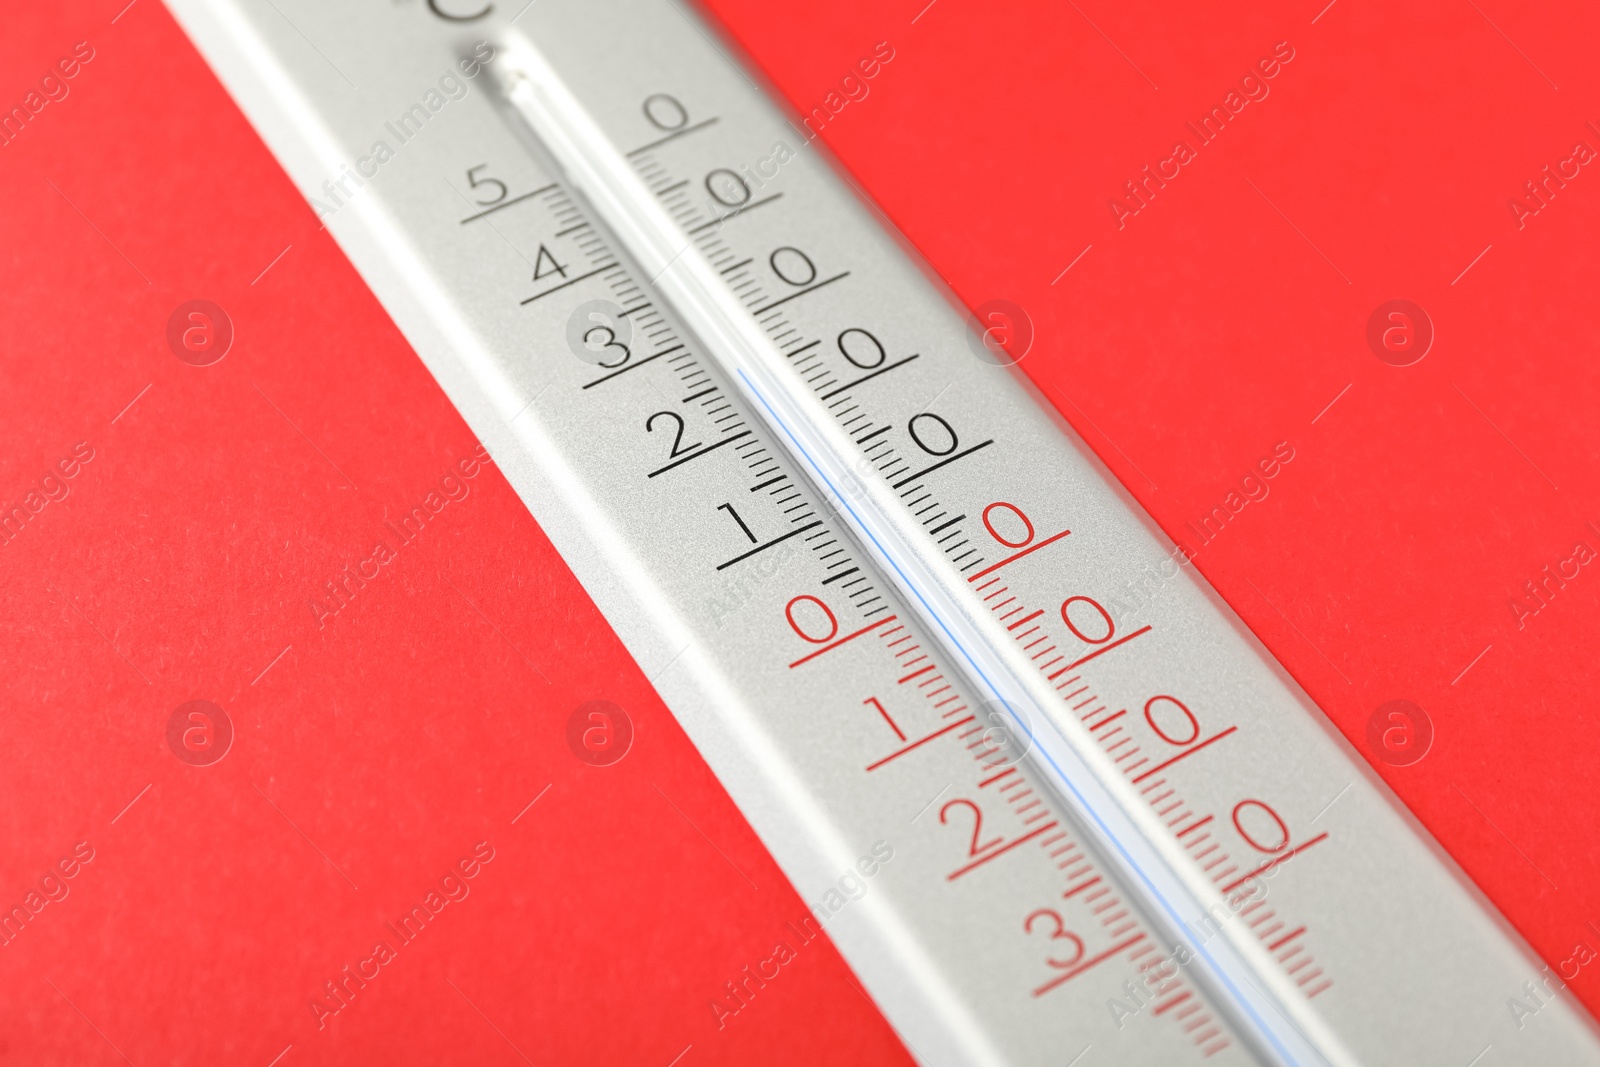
<point>868,571</point>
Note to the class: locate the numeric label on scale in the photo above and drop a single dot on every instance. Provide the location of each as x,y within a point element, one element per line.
<point>838,714</point>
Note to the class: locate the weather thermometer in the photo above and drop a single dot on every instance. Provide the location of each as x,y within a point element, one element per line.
<point>867,568</point>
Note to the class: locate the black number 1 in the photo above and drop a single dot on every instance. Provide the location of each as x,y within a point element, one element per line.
<point>729,509</point>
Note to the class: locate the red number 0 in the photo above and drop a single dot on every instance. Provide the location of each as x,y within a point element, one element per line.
<point>1150,717</point>
<point>988,525</point>
<point>833,623</point>
<point>1094,605</point>
<point>1283,831</point>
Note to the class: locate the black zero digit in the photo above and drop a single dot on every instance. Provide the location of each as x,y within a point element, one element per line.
<point>737,189</point>
<point>803,266</point>
<point>866,352</point>
<point>916,436</point>
<point>433,5</point>
<point>658,103</point>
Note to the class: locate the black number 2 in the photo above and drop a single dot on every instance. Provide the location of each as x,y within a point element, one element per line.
<point>678,447</point>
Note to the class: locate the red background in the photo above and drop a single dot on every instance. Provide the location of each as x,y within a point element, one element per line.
<point>1213,325</point>
<point>423,718</point>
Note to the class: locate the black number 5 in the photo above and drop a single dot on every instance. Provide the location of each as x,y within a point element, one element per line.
<point>477,183</point>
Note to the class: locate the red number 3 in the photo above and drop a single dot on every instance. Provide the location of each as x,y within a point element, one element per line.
<point>1060,933</point>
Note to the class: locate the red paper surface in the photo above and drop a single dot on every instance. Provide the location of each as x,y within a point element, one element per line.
<point>423,717</point>
<point>1227,313</point>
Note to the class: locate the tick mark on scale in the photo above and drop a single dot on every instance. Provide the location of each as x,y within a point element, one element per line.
<point>1098,652</point>
<point>1002,850</point>
<point>1267,865</point>
<point>672,136</point>
<point>908,479</point>
<point>763,547</point>
<point>842,640</point>
<point>508,203</point>
<point>1086,964</point>
<point>1026,551</point>
<point>696,455</point>
<point>574,281</point>
<point>847,386</point>
<point>795,295</point>
<point>720,219</point>
<point>624,370</point>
